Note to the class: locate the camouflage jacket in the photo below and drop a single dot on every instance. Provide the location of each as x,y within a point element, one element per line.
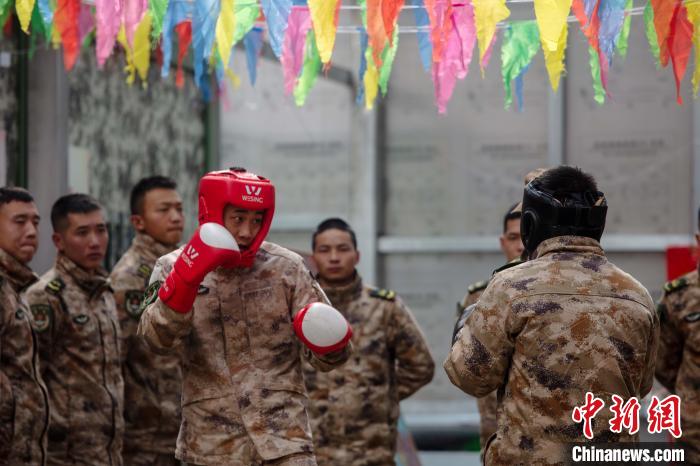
<point>678,361</point>
<point>152,382</point>
<point>354,409</point>
<point>243,397</point>
<point>546,332</point>
<point>76,322</point>
<point>488,405</point>
<point>24,404</point>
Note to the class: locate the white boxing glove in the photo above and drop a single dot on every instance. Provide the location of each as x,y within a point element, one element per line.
<point>322,328</point>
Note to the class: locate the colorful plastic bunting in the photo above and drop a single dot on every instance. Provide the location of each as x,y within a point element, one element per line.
<point>253,42</point>
<point>294,45</point>
<point>277,15</point>
<point>521,41</point>
<point>488,13</point>
<point>324,18</point>
<point>309,71</point>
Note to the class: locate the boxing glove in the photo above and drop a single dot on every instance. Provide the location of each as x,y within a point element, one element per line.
<point>322,328</point>
<point>210,247</point>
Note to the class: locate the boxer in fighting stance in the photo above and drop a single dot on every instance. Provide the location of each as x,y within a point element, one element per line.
<point>233,304</point>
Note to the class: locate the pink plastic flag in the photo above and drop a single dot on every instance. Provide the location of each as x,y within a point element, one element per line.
<point>108,14</point>
<point>133,14</point>
<point>293,47</point>
<point>457,54</point>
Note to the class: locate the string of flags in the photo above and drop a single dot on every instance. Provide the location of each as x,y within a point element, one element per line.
<point>302,35</point>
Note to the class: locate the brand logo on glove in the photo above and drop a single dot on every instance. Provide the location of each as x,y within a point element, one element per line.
<point>190,255</point>
<point>253,193</point>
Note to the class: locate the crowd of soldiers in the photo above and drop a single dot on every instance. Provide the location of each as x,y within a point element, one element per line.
<point>228,351</point>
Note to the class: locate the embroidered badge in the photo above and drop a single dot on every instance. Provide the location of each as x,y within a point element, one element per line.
<point>41,314</point>
<point>150,295</point>
<point>144,271</point>
<point>132,303</point>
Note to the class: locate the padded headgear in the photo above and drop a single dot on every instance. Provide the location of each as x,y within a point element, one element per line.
<point>241,189</point>
<point>547,216</point>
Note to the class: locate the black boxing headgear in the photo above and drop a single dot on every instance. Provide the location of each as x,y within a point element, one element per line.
<point>547,215</point>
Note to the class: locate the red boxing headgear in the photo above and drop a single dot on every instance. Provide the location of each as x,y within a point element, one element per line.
<point>241,189</point>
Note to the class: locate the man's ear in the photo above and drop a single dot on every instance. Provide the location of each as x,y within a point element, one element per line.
<point>58,241</point>
<point>357,261</point>
<point>138,223</point>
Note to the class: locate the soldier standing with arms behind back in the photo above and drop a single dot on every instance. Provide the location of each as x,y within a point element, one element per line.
<point>24,404</point>
<point>354,409</point>
<point>238,307</point>
<point>76,321</point>
<point>548,331</point>
<point>678,361</point>
<point>152,382</point>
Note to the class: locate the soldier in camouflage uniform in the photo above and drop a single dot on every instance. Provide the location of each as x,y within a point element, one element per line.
<point>76,322</point>
<point>243,401</point>
<point>678,360</point>
<point>562,324</point>
<point>512,247</point>
<point>152,382</point>
<point>24,404</point>
<point>354,409</point>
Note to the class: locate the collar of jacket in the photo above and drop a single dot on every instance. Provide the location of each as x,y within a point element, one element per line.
<point>91,282</point>
<point>578,244</point>
<point>19,275</point>
<point>149,247</point>
<point>342,296</point>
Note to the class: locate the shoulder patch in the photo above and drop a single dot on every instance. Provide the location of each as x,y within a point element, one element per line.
<point>41,314</point>
<point>387,295</point>
<point>55,286</point>
<point>513,263</point>
<point>132,303</point>
<point>675,285</point>
<point>144,271</point>
<point>150,296</point>
<point>478,286</point>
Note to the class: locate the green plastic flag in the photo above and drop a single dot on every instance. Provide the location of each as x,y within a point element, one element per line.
<point>651,33</point>
<point>623,38</point>
<point>247,12</point>
<point>520,44</point>
<point>309,71</point>
<point>387,62</point>
<point>157,9</point>
<point>598,89</point>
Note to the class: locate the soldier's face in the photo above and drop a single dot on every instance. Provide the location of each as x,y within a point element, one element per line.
<point>19,227</point>
<point>84,239</point>
<point>161,216</point>
<point>243,224</point>
<point>511,243</point>
<point>335,256</point>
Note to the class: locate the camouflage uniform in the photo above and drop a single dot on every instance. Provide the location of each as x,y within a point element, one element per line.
<point>243,400</point>
<point>152,382</point>
<point>76,322</point>
<point>678,361</point>
<point>546,332</point>
<point>24,405</point>
<point>354,409</point>
<point>488,405</point>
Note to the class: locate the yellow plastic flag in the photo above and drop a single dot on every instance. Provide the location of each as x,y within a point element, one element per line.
<point>371,81</point>
<point>551,19</point>
<point>142,47</point>
<point>129,69</point>
<point>225,28</point>
<point>554,60</point>
<point>233,78</point>
<point>488,13</point>
<point>693,11</point>
<point>323,19</point>
<point>24,10</point>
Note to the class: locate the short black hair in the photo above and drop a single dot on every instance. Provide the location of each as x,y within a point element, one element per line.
<point>333,223</point>
<point>139,191</point>
<point>511,215</point>
<point>76,203</point>
<point>564,180</point>
<point>11,193</point>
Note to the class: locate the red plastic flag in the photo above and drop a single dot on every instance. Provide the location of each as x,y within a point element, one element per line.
<point>184,39</point>
<point>663,15</point>
<point>680,41</point>
<point>391,9</point>
<point>66,22</point>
